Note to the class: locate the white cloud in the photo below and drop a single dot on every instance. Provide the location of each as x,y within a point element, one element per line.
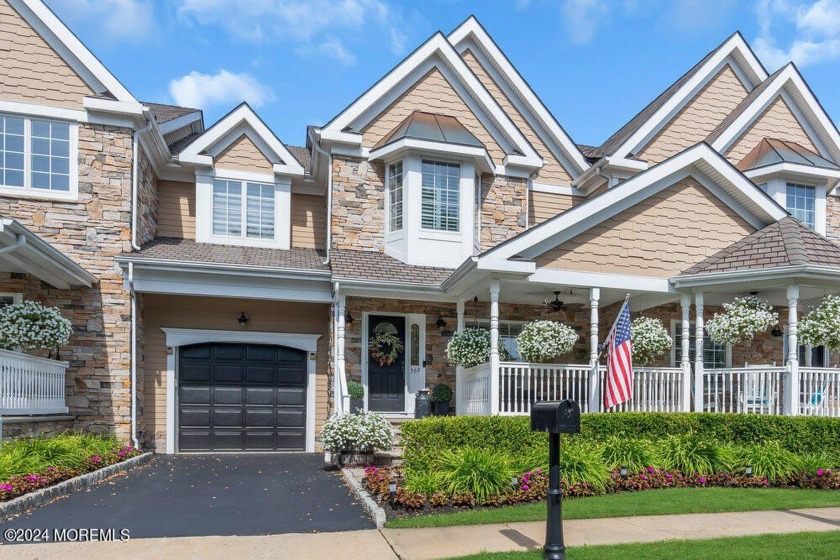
<point>581,18</point>
<point>119,20</point>
<point>206,90</point>
<point>317,26</point>
<point>815,27</point>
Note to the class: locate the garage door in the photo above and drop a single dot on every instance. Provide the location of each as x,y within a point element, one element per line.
<point>241,397</point>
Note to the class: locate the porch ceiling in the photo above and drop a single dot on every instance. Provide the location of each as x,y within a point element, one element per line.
<point>23,251</point>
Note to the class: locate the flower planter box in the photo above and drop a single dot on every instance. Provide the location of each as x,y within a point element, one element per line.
<point>355,458</point>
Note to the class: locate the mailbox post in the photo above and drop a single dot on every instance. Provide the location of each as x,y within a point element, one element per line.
<point>555,417</point>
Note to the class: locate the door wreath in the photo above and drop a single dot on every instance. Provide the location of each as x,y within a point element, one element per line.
<point>384,348</point>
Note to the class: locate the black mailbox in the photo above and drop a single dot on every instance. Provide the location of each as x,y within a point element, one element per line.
<point>556,417</point>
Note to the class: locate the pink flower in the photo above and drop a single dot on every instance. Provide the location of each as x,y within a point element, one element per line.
<point>764,482</point>
<point>538,471</point>
<point>820,472</point>
<point>121,453</point>
<point>650,469</point>
<point>702,480</point>
<point>33,477</point>
<point>6,487</point>
<point>526,487</point>
<point>96,458</point>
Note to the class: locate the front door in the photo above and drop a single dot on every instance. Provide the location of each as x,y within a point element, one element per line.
<point>386,363</point>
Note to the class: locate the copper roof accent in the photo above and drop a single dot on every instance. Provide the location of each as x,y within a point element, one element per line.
<point>165,113</point>
<point>420,125</point>
<point>187,250</point>
<point>771,151</point>
<point>785,243</point>
<point>371,265</point>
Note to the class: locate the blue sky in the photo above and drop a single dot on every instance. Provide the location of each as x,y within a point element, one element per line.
<point>595,63</point>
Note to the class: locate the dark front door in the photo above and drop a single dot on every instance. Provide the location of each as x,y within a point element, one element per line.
<point>386,374</point>
<point>241,397</point>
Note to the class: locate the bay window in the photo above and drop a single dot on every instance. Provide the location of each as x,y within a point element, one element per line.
<point>395,196</point>
<point>37,156</point>
<point>240,206</point>
<point>800,201</point>
<point>440,196</point>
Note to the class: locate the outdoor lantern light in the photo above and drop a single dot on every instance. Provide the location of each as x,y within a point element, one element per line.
<point>393,489</point>
<point>440,322</point>
<point>243,319</point>
<point>623,472</point>
<point>777,332</point>
<point>348,318</point>
<point>748,470</point>
<point>555,418</point>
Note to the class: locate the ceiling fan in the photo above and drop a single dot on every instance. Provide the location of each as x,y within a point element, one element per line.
<point>556,305</point>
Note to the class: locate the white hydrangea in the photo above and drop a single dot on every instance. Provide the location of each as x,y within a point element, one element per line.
<point>359,432</point>
<point>543,341</point>
<point>471,347</point>
<point>31,325</point>
<point>822,325</point>
<point>741,320</point>
<point>650,339</point>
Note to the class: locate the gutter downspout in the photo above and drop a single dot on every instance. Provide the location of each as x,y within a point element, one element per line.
<point>598,171</point>
<point>329,196</point>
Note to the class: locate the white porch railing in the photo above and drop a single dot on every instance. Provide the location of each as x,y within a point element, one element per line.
<point>31,385</point>
<point>748,390</point>
<point>655,389</point>
<point>820,392</point>
<point>474,399</point>
<point>521,384</point>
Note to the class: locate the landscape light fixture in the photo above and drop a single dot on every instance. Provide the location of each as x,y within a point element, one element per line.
<point>748,470</point>
<point>514,482</point>
<point>392,487</point>
<point>623,472</point>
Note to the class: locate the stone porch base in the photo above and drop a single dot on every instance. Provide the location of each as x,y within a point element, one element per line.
<point>31,426</point>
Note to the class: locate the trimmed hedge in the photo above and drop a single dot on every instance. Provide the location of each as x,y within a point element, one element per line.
<point>423,440</point>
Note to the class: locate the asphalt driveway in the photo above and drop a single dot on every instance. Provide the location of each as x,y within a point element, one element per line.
<point>197,495</point>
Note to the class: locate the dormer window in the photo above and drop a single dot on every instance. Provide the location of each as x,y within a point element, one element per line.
<point>801,203</point>
<point>238,202</point>
<point>440,195</point>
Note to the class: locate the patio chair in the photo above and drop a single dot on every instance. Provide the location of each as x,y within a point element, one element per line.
<point>817,403</point>
<point>756,398</point>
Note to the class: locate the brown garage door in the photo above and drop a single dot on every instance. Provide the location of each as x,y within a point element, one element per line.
<point>241,397</point>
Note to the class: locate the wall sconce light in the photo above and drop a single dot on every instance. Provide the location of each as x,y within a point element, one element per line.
<point>440,322</point>
<point>348,318</point>
<point>243,319</point>
<point>777,332</point>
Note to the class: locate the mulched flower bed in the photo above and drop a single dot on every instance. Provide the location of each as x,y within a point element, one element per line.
<point>532,487</point>
<point>23,484</point>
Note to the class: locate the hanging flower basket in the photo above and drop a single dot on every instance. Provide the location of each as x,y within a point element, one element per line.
<point>31,325</point>
<point>384,348</point>
<point>821,327</point>
<point>471,347</point>
<point>741,320</point>
<point>650,339</point>
<point>543,341</point>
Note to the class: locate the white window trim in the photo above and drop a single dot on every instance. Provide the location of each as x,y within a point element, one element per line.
<point>776,188</point>
<point>72,194</point>
<point>674,323</point>
<point>388,230</point>
<point>282,209</point>
<point>17,297</point>
<point>443,233</point>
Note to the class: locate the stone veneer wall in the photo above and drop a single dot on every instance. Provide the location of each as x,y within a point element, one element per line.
<point>504,209</point>
<point>91,231</point>
<point>832,217</point>
<point>147,200</point>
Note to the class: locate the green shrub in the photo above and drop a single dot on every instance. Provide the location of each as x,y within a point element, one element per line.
<point>441,393</point>
<point>356,390</point>
<point>32,455</point>
<point>692,454</point>
<point>482,472</point>
<point>768,460</point>
<point>812,462</point>
<point>427,483</point>
<point>583,463</point>
<point>530,460</point>
<point>634,454</point>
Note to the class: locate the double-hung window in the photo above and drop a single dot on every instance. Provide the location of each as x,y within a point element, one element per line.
<point>715,355</point>
<point>243,209</point>
<point>395,196</point>
<point>801,203</point>
<point>35,156</point>
<point>440,200</point>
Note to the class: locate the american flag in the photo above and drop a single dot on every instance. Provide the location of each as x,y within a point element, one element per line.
<point>619,379</point>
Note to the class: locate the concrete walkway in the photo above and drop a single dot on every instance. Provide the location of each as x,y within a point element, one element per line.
<point>445,542</point>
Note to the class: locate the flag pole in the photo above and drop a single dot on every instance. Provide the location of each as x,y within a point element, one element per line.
<point>603,345</point>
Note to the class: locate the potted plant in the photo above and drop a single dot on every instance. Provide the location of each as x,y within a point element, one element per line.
<point>357,396</point>
<point>822,325</point>
<point>543,341</point>
<point>440,396</point>
<point>741,320</point>
<point>471,347</point>
<point>650,339</point>
<point>353,438</point>
<point>31,325</point>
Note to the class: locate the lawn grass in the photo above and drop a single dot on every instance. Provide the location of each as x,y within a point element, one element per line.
<point>34,455</point>
<point>650,502</point>
<point>794,546</point>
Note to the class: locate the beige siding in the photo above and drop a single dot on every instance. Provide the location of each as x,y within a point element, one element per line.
<point>777,121</point>
<point>542,206</point>
<point>176,209</point>
<point>656,237</point>
<point>431,93</point>
<point>552,173</point>
<point>309,221</point>
<point>220,314</point>
<point>30,70</point>
<point>698,118</point>
<point>243,155</point>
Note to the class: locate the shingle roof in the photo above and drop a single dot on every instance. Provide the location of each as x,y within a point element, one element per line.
<point>371,265</point>
<point>616,140</point>
<point>303,156</point>
<point>433,127</point>
<point>784,243</point>
<point>165,113</point>
<point>741,107</point>
<point>187,250</point>
<point>771,151</point>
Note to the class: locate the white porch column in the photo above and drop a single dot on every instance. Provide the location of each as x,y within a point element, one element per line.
<point>685,351</point>
<point>594,378</point>
<point>791,402</point>
<point>698,352</point>
<point>494,347</point>
<point>459,370</point>
<point>341,404</point>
